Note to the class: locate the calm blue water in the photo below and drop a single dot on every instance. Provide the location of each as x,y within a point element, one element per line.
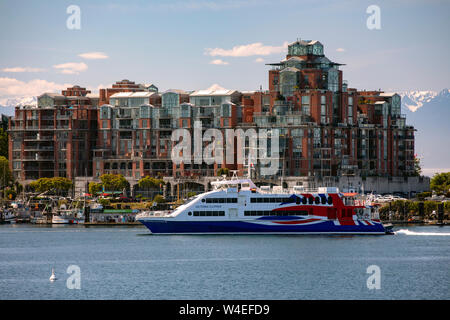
<point>128,263</point>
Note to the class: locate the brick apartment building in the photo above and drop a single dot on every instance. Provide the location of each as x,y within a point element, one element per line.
<point>54,138</point>
<point>327,128</point>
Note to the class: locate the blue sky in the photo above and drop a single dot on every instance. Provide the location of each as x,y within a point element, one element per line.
<point>166,42</point>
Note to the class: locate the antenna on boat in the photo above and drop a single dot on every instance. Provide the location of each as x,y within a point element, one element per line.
<point>249,165</point>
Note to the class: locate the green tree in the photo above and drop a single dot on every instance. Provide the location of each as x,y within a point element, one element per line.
<point>417,166</point>
<point>5,173</point>
<point>18,187</point>
<point>447,206</point>
<point>440,183</point>
<point>10,194</point>
<point>55,184</point>
<point>104,202</point>
<point>429,206</point>
<point>61,184</point>
<point>95,187</point>
<point>159,199</point>
<point>148,182</point>
<point>3,143</point>
<point>223,171</point>
<point>191,194</point>
<point>114,182</point>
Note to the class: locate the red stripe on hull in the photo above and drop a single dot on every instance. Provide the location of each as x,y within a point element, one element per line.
<point>346,222</point>
<point>296,222</point>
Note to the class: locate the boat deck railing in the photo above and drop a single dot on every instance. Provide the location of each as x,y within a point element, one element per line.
<point>289,190</point>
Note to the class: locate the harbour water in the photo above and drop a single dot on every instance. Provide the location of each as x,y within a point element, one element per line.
<point>129,263</point>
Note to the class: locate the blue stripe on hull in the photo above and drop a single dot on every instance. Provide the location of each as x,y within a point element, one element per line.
<point>326,226</point>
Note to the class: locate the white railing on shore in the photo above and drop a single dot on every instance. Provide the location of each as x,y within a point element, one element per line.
<point>159,213</point>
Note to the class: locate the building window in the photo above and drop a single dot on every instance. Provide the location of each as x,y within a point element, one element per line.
<point>305,105</point>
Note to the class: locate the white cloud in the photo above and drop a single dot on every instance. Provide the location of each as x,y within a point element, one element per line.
<point>253,49</point>
<point>259,60</point>
<point>340,50</point>
<point>71,67</point>
<point>219,62</point>
<point>96,89</point>
<point>22,69</point>
<point>94,55</point>
<point>10,87</point>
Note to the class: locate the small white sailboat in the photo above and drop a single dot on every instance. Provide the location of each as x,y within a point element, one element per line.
<point>53,276</point>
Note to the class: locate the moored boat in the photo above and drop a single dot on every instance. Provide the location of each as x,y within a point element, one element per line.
<point>67,216</point>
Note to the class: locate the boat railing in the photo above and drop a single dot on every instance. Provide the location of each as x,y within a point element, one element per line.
<point>279,190</point>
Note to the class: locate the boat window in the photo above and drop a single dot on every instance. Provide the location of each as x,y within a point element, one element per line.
<point>276,213</point>
<point>323,200</point>
<point>209,213</point>
<point>310,200</point>
<point>304,200</point>
<point>271,200</point>
<point>221,200</point>
<point>330,200</point>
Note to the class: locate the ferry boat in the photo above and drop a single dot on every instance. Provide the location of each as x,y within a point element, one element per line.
<point>240,207</point>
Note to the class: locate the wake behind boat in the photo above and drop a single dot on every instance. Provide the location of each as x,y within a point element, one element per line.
<point>240,207</point>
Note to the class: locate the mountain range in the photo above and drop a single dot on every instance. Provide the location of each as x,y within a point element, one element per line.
<point>428,111</point>
<point>7,105</point>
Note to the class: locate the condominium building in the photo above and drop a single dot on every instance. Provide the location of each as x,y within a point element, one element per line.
<point>55,137</point>
<point>326,127</point>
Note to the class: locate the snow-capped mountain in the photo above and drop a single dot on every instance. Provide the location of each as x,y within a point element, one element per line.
<point>413,100</point>
<point>7,105</point>
<point>429,113</point>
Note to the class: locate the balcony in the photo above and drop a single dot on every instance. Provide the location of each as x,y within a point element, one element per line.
<point>38,148</point>
<point>39,158</point>
<point>38,138</point>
